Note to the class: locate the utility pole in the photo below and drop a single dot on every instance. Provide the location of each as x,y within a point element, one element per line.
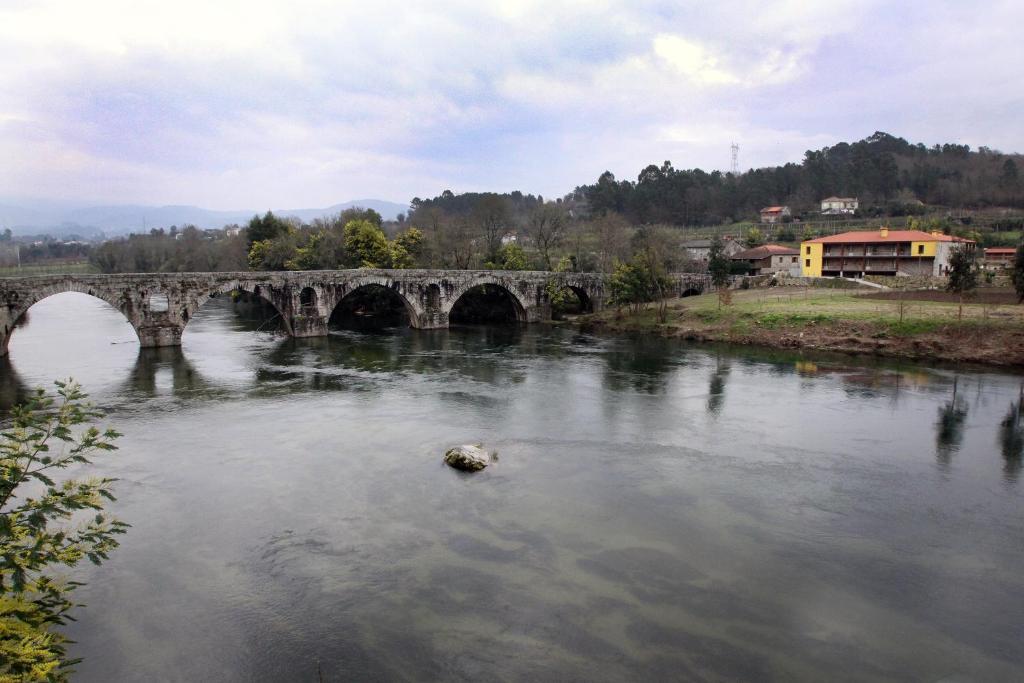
<point>735,158</point>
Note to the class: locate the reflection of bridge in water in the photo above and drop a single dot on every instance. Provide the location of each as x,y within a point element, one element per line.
<point>160,305</point>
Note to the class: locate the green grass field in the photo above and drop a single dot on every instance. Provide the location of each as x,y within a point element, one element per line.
<point>802,307</point>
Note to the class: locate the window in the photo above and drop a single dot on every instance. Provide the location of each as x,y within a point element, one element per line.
<point>807,262</point>
<point>793,260</point>
<point>920,249</point>
<point>808,250</point>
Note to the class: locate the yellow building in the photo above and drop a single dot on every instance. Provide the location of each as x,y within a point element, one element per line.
<point>878,252</point>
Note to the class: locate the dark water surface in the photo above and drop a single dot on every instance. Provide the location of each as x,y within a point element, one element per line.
<point>659,511</point>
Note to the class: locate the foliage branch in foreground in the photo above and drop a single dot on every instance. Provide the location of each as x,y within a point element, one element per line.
<point>47,526</point>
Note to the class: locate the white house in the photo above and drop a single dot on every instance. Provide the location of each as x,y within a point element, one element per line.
<point>838,205</point>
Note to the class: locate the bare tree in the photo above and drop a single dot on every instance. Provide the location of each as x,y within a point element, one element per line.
<point>546,225</point>
<point>451,239</point>
<point>611,231</point>
<point>491,216</point>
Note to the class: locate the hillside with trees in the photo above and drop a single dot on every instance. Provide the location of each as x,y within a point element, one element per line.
<point>889,175</point>
<point>611,221</point>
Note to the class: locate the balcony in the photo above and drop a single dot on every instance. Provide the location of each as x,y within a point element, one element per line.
<point>867,252</point>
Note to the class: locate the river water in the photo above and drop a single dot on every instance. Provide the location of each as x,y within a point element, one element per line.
<point>658,511</point>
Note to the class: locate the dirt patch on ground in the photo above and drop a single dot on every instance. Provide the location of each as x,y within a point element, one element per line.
<point>991,297</point>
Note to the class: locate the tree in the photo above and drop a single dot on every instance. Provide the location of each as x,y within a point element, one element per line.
<point>510,257</point>
<point>366,245</point>
<point>406,248</point>
<point>545,227</point>
<point>451,240</point>
<point>628,285</point>
<point>491,216</point>
<point>1010,173</point>
<point>274,254</point>
<point>6,235</point>
<point>754,238</point>
<point>1017,274</point>
<point>357,213</point>
<point>719,267</point>
<point>266,228</point>
<point>639,282</point>
<point>963,273</point>
<point>35,537</point>
<point>612,241</point>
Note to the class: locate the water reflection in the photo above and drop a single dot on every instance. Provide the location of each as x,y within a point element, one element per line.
<point>1011,439</point>
<point>12,389</point>
<point>716,389</point>
<point>642,365</point>
<point>949,433</point>
<point>164,370</point>
<point>629,532</point>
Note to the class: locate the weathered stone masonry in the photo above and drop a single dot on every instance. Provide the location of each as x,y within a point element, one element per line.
<point>159,305</point>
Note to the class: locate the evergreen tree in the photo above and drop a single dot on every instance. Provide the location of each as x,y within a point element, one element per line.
<point>719,267</point>
<point>1017,274</point>
<point>963,273</point>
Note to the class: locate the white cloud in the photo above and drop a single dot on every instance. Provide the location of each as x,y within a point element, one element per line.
<point>692,60</point>
<point>308,102</point>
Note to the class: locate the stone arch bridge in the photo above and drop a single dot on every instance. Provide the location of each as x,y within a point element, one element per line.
<point>160,305</point>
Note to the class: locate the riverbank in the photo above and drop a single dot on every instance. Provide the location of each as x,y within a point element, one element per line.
<point>837,320</point>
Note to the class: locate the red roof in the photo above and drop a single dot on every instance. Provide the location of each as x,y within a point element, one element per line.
<point>772,209</point>
<point>863,236</point>
<point>1000,250</point>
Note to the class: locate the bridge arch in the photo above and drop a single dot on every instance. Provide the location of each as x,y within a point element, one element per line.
<point>308,300</point>
<point>515,298</point>
<point>252,287</point>
<point>383,284</point>
<point>17,307</point>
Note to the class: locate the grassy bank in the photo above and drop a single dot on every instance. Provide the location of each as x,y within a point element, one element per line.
<point>837,320</point>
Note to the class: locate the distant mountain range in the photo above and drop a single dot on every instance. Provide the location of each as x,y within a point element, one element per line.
<point>62,218</point>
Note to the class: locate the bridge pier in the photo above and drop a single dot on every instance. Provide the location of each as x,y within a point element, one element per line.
<point>159,335</point>
<point>309,325</point>
<point>430,320</point>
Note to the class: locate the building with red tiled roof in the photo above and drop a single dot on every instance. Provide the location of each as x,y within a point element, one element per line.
<point>769,259</point>
<point>774,214</point>
<point>879,252</point>
<point>999,257</point>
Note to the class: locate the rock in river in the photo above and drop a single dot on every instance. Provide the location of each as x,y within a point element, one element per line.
<point>467,458</point>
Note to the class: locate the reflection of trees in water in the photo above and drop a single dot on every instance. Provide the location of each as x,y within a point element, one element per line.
<point>345,359</point>
<point>1011,439</point>
<point>716,387</point>
<point>12,389</point>
<point>641,364</point>
<point>950,427</point>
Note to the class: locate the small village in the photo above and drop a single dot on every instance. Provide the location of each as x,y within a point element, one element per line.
<point>855,254</point>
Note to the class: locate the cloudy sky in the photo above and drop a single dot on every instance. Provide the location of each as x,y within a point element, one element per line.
<point>297,104</point>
